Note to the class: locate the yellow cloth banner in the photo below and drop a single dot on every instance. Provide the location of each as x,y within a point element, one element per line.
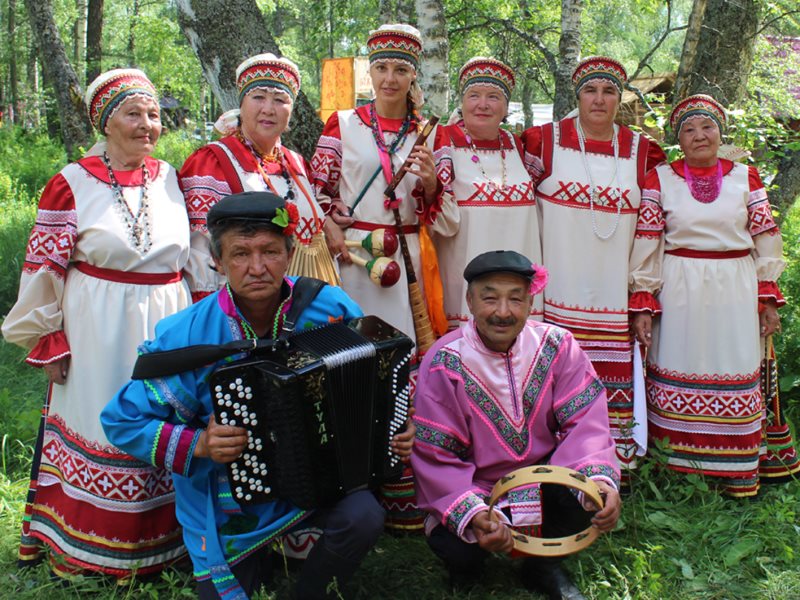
<point>338,86</point>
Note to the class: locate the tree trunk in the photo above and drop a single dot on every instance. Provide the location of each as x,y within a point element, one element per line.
<point>397,11</point>
<point>689,50</point>
<point>569,50</point>
<point>724,50</point>
<point>434,69</point>
<point>786,184</point>
<point>527,96</point>
<point>12,61</point>
<point>33,114</point>
<point>132,33</point>
<point>75,126</point>
<point>94,41</point>
<point>79,40</point>
<point>220,49</point>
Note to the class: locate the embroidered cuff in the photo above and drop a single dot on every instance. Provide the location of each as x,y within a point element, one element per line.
<point>174,447</point>
<point>49,349</point>
<point>427,212</point>
<point>644,302</point>
<point>768,290</point>
<point>460,513</point>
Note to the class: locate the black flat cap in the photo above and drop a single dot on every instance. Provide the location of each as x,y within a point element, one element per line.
<point>499,261</point>
<point>257,207</point>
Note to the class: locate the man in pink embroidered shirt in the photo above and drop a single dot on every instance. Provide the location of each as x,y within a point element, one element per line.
<point>499,394</point>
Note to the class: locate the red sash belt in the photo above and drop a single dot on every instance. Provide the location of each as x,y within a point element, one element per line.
<point>366,226</point>
<point>688,253</point>
<point>127,276</point>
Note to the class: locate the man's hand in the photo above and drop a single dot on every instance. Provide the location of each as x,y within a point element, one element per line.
<point>491,535</point>
<point>606,519</point>
<point>221,443</point>
<point>403,443</point>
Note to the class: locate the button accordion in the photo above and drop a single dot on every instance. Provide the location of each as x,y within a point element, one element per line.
<point>320,413</point>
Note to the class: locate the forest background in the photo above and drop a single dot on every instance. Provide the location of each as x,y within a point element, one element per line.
<point>677,537</point>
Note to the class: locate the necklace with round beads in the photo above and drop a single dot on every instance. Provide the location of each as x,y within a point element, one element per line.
<point>593,190</point>
<point>477,159</point>
<point>276,156</point>
<point>377,133</point>
<point>137,225</point>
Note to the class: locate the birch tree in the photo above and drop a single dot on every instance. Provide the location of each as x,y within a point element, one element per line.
<point>434,71</point>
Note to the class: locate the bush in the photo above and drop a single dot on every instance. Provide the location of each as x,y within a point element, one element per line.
<point>17,214</point>
<point>175,146</point>
<point>30,158</point>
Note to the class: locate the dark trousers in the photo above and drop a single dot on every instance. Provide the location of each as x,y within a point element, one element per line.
<point>349,530</point>
<point>561,515</point>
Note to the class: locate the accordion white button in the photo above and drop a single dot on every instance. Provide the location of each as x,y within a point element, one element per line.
<point>267,490</point>
<point>218,388</point>
<point>259,447</point>
<point>248,497</point>
<point>253,420</point>
<point>246,421</point>
<point>249,396</point>
<point>238,381</point>
<point>232,386</point>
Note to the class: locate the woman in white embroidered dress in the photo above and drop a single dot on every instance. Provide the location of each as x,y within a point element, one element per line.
<point>707,256</point>
<point>250,157</point>
<point>357,155</point>
<point>102,268</point>
<point>494,192</point>
<point>589,171</point>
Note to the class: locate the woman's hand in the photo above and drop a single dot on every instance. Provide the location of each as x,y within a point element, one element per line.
<point>642,326</point>
<point>57,371</point>
<point>421,164</point>
<point>769,319</point>
<point>334,238</point>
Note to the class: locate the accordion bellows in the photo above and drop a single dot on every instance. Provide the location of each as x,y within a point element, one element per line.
<point>320,413</point>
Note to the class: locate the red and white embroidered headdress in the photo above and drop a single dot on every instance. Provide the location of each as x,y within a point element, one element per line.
<point>395,43</point>
<point>699,105</point>
<point>267,71</point>
<point>109,90</point>
<point>487,71</point>
<point>599,67</point>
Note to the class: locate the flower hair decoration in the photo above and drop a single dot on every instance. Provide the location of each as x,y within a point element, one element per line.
<point>287,218</point>
<point>540,277</point>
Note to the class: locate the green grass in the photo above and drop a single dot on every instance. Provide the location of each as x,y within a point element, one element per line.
<point>677,538</point>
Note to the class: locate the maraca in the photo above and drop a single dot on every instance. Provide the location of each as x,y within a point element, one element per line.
<point>381,242</point>
<point>383,271</point>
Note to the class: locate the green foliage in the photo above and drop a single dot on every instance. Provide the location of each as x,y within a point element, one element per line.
<point>17,213</point>
<point>30,159</point>
<point>175,146</point>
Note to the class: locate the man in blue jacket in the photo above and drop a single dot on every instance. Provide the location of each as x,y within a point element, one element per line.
<point>169,421</point>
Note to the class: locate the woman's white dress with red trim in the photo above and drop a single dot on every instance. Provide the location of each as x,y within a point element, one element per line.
<point>96,507</point>
<point>703,375</point>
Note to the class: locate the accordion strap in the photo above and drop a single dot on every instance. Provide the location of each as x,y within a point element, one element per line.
<point>304,291</point>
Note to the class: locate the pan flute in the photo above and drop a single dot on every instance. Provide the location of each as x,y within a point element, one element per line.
<point>320,413</point>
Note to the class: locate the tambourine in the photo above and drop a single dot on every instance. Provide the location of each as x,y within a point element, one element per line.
<point>548,474</point>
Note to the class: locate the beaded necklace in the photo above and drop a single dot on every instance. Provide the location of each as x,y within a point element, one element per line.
<point>477,160</point>
<point>704,188</point>
<point>276,156</point>
<point>249,332</point>
<point>377,132</point>
<point>138,225</point>
<point>593,193</point>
